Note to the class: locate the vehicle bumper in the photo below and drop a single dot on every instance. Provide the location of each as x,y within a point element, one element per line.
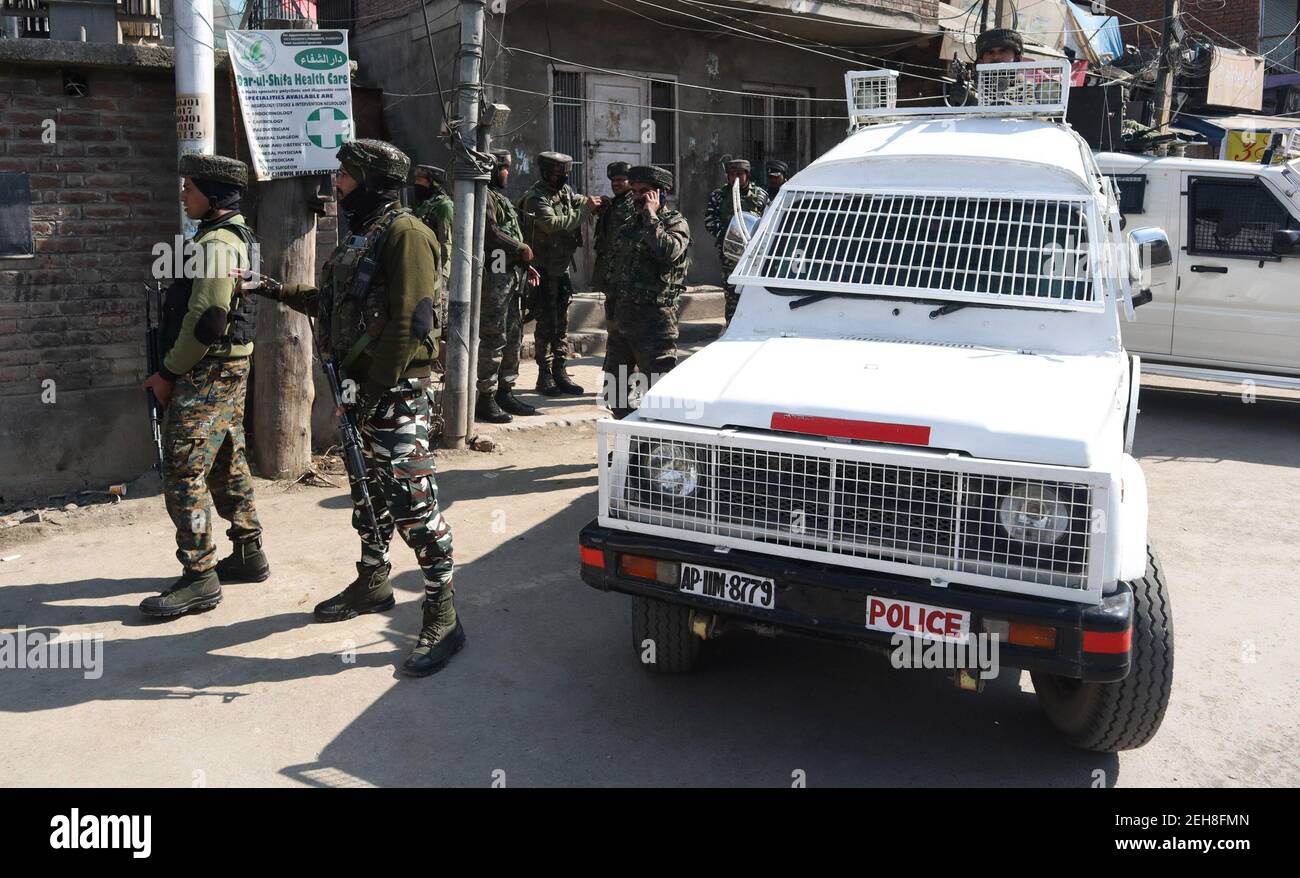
<point>829,602</point>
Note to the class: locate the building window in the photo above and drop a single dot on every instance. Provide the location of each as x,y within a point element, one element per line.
<point>15,215</point>
<point>663,101</point>
<point>1277,38</point>
<point>566,118</point>
<point>1234,218</point>
<point>775,127</point>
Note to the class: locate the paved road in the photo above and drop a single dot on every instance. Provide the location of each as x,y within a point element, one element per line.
<point>549,692</point>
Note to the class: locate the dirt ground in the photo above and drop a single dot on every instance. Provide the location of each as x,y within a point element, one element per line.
<point>548,690</point>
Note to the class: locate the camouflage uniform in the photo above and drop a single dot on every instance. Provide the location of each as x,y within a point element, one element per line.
<point>648,265</point>
<point>383,336</point>
<point>717,217</point>
<point>437,212</point>
<point>501,324</point>
<point>613,213</point>
<point>206,339</point>
<point>552,224</point>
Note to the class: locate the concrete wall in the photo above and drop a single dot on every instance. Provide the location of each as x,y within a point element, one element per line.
<point>393,54</point>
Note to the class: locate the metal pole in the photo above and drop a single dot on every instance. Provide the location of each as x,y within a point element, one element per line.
<point>194,84</point>
<point>468,214</point>
<point>476,305</point>
<point>1165,82</point>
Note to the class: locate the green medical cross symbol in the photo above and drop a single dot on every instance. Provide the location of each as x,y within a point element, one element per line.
<point>328,127</point>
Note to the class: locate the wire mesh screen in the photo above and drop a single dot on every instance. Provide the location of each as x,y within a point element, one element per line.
<point>939,519</point>
<point>1132,190</point>
<point>1022,84</point>
<point>1237,218</point>
<point>870,90</point>
<point>1027,250</point>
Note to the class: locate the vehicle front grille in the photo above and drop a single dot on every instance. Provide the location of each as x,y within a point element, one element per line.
<point>927,517</point>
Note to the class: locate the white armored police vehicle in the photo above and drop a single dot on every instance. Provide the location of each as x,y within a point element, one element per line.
<point>918,426</point>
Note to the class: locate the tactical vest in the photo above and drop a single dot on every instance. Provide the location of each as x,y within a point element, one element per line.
<point>354,298</point>
<point>638,274</point>
<point>241,319</point>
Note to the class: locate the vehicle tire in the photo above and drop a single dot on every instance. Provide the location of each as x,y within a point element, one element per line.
<point>662,637</point>
<point>1107,717</point>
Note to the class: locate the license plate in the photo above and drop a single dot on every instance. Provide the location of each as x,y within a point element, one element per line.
<point>729,586</point>
<point>917,620</point>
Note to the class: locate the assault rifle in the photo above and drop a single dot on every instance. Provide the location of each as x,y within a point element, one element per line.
<point>153,360</point>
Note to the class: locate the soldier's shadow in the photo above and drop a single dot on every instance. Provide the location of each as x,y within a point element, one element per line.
<point>170,663</point>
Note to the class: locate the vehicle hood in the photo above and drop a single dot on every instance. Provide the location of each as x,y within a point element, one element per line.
<point>1003,405</point>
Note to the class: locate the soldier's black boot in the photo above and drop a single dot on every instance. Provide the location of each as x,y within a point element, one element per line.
<point>546,381</point>
<point>441,637</point>
<point>370,592</point>
<point>563,381</point>
<point>247,563</point>
<point>508,402</point>
<point>486,410</point>
<point>190,593</point>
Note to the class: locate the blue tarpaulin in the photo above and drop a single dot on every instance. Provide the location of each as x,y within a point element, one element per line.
<point>1105,43</point>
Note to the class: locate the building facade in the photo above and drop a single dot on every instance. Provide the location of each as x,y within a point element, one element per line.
<point>681,85</point>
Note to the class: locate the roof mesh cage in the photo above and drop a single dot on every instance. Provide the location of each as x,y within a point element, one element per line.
<point>1024,88</point>
<point>1025,252</point>
<point>868,91</point>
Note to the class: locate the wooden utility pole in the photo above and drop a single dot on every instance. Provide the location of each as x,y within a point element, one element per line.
<point>283,386</point>
<point>1165,81</point>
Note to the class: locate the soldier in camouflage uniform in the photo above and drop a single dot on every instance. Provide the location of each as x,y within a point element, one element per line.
<point>613,213</point>
<point>647,275</point>
<point>376,318</point>
<point>206,342</point>
<point>501,324</point>
<point>552,215</point>
<point>777,173</point>
<point>718,213</point>
<point>434,207</point>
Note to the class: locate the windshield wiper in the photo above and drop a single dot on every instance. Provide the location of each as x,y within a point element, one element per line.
<point>817,297</point>
<point>948,309</point>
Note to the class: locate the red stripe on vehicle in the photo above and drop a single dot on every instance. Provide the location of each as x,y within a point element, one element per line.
<point>1110,642</point>
<point>872,431</point>
<point>592,557</point>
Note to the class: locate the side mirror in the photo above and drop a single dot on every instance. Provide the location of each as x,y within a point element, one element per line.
<point>1151,262</point>
<point>1286,241</point>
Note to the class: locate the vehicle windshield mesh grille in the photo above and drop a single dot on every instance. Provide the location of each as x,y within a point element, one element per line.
<point>936,519</point>
<point>1022,251</point>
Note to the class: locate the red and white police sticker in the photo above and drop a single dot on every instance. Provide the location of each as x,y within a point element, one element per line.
<point>917,620</point>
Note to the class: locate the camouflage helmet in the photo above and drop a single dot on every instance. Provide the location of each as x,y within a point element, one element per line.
<point>549,161</point>
<point>617,169</point>
<point>432,173</point>
<point>374,157</point>
<point>999,38</point>
<point>738,165</point>
<point>657,177</point>
<point>778,167</point>
<point>502,158</point>
<point>216,168</point>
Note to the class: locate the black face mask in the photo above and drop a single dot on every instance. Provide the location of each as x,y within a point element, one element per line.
<point>423,193</point>
<point>362,202</point>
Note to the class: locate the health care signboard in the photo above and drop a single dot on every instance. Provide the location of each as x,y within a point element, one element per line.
<point>296,98</point>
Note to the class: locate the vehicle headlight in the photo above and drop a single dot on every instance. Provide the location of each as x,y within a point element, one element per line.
<point>673,470</point>
<point>1034,514</point>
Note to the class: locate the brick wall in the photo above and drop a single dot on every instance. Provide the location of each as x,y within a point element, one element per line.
<point>1237,20</point>
<point>104,193</point>
<point>99,205</point>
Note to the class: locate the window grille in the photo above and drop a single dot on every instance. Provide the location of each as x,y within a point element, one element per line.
<point>1132,189</point>
<point>1234,218</point>
<point>567,113</point>
<point>1029,252</point>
